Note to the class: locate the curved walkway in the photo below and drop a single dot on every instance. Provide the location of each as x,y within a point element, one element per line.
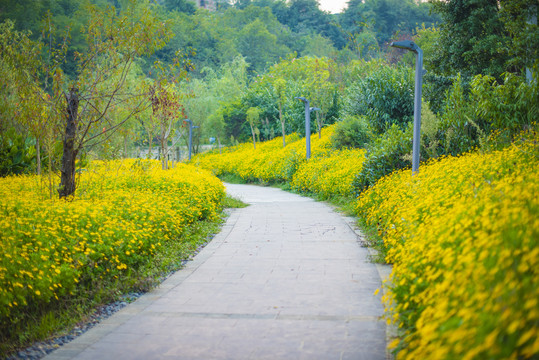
<point>286,278</point>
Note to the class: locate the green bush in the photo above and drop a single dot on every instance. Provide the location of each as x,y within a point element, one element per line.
<point>17,154</point>
<point>385,155</point>
<point>510,107</point>
<point>352,132</point>
<point>385,97</point>
<point>435,88</point>
<point>458,128</point>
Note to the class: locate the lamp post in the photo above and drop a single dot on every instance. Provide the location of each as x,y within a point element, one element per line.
<point>308,110</point>
<point>532,20</point>
<point>191,127</point>
<point>411,46</point>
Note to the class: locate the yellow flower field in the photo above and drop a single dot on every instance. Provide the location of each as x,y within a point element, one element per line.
<point>328,172</point>
<point>329,175</point>
<point>124,211</point>
<point>463,237</point>
<point>270,162</point>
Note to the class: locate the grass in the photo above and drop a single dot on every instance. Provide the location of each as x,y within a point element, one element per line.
<point>231,178</point>
<point>233,203</point>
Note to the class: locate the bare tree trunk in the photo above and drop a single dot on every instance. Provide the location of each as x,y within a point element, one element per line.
<point>165,155</point>
<point>50,175</point>
<point>38,156</point>
<point>149,147</point>
<point>164,150</point>
<point>67,184</point>
<point>163,166</point>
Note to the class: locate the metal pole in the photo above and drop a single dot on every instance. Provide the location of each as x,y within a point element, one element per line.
<point>411,46</point>
<point>417,109</point>
<point>190,138</point>
<point>308,110</point>
<point>308,129</point>
<point>532,20</point>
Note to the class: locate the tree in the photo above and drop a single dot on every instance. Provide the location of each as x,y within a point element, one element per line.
<point>114,39</point>
<point>168,100</point>
<point>166,109</point>
<point>200,102</point>
<point>318,46</point>
<point>216,122</point>
<point>472,40</point>
<point>305,17</point>
<point>363,40</point>
<point>385,18</point>
<point>385,97</point>
<point>19,64</point>
<point>253,116</point>
<point>280,86</point>
<point>322,90</point>
<point>520,21</point>
<point>29,105</point>
<point>205,107</point>
<point>258,46</point>
<point>26,14</point>
<point>185,6</point>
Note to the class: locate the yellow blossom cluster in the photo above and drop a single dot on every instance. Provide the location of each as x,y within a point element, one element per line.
<point>121,215</point>
<point>270,161</point>
<point>463,237</point>
<point>331,174</point>
<point>328,172</point>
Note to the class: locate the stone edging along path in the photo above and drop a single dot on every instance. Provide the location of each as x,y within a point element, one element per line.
<point>286,278</point>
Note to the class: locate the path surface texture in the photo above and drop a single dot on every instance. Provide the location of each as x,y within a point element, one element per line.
<point>286,278</point>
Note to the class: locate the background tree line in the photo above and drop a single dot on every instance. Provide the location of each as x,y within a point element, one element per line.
<point>235,72</point>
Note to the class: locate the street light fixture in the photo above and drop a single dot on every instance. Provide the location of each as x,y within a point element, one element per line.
<point>308,110</point>
<point>411,46</point>
<point>191,127</point>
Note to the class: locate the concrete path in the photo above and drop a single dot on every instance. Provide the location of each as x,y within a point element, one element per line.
<point>285,279</point>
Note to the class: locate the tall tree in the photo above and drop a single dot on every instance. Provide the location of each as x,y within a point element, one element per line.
<point>185,6</point>
<point>28,103</point>
<point>280,88</point>
<point>473,39</point>
<point>259,46</point>
<point>386,17</point>
<point>115,39</point>
<point>168,97</point>
<point>520,20</point>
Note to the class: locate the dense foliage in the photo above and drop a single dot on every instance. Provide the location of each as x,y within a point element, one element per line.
<point>385,97</point>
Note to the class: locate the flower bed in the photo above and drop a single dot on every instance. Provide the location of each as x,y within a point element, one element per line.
<point>123,214</point>
<point>463,239</point>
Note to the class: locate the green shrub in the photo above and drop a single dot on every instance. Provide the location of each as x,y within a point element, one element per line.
<point>352,132</point>
<point>510,107</point>
<point>458,129</point>
<point>385,97</point>
<point>385,155</point>
<point>435,88</point>
<point>17,154</point>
